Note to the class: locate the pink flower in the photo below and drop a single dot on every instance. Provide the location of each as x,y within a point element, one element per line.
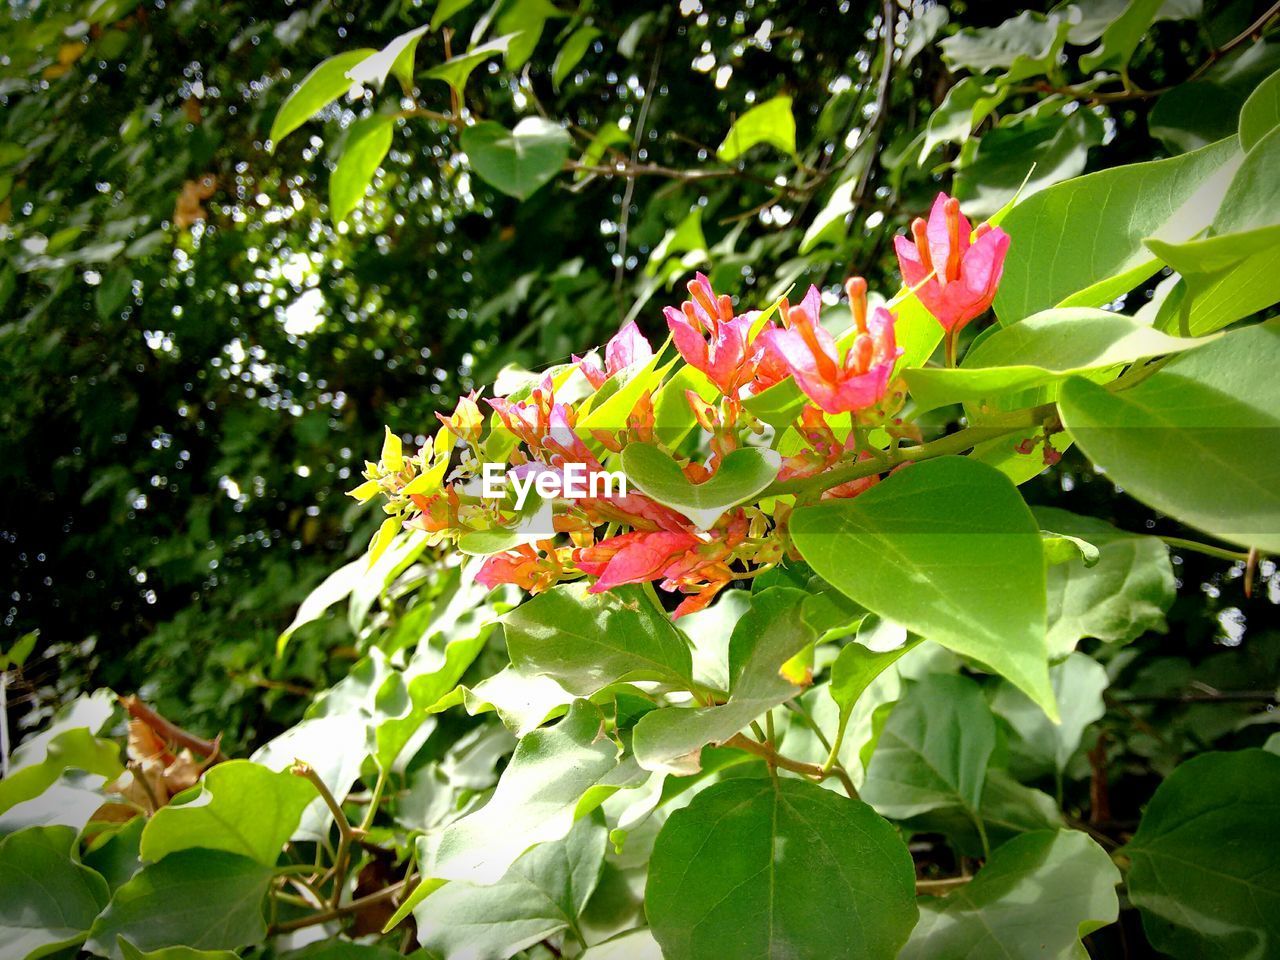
<point>838,385</point>
<point>712,339</point>
<point>964,274</point>
<point>627,348</point>
<point>633,557</point>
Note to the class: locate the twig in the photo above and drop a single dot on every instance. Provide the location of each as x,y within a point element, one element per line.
<point>775,759</point>
<point>171,732</point>
<point>942,885</point>
<point>952,443</point>
<point>337,913</point>
<point>1206,696</point>
<point>624,219</point>
<point>345,832</point>
<point>1222,51</point>
<point>4,723</point>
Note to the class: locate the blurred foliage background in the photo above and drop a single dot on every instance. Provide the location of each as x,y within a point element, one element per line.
<point>196,359</point>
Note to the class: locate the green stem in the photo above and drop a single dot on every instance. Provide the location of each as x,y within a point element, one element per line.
<point>982,835</point>
<point>953,443</point>
<point>378,786</point>
<point>1235,556</point>
<point>833,757</point>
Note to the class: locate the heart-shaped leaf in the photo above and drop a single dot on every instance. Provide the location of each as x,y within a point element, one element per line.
<point>799,872</point>
<point>743,474</point>
<point>518,161</point>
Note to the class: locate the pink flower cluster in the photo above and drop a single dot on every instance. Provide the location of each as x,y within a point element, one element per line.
<point>846,384</point>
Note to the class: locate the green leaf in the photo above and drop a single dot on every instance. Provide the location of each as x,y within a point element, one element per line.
<point>779,868</point>
<point>1062,548</point>
<point>1205,862</point>
<point>518,161</point>
<point>933,751</point>
<point>540,896</point>
<point>131,952</point>
<point>319,88</point>
<point>1120,38</point>
<point>587,641</point>
<point>1023,46</point>
<point>856,668</point>
<point>769,634</point>
<point>967,104</point>
<point>75,749</point>
<point>446,9</point>
<point>1026,157</point>
<point>742,476</point>
<point>1235,270</point>
<point>770,122</point>
<point>48,901</point>
<point>1037,896</point>
<point>1260,113</point>
<point>948,549</point>
<point>396,57</point>
<point>112,293</point>
<point>1080,243</point>
<point>1041,350</point>
<point>525,20</point>
<point>1121,597</point>
<point>1213,408</point>
<point>456,70</point>
<point>367,144</point>
<point>115,855</point>
<point>1039,747</point>
<point>205,899</point>
<point>572,52</point>
<point>536,800</point>
<point>242,808</point>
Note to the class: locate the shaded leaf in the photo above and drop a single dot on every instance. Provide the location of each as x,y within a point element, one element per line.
<point>1037,896</point>
<point>518,161</point>
<point>933,751</point>
<point>1206,859</point>
<point>204,899</point>
<point>47,900</point>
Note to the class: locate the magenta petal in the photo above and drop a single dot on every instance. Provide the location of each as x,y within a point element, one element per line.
<point>938,234</point>
<point>983,264</point>
<point>628,347</point>
<point>688,341</point>
<point>909,264</point>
